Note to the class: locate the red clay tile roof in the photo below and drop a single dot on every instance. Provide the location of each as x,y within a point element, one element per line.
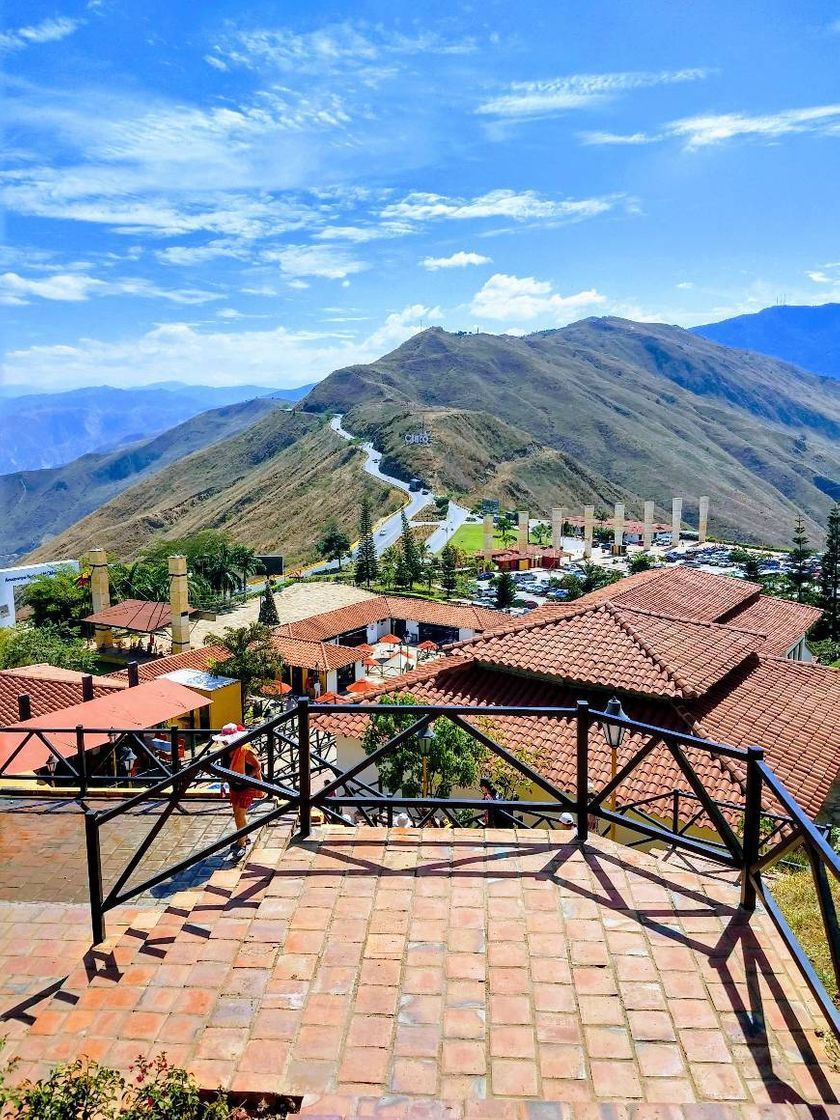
<point>135,614</point>
<point>137,708</point>
<point>681,592</point>
<point>198,658</point>
<point>322,656</point>
<point>45,695</point>
<point>342,620</point>
<point>783,623</point>
<point>607,646</point>
<point>790,708</point>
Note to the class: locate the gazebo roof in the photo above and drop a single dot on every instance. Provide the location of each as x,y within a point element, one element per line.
<point>140,616</point>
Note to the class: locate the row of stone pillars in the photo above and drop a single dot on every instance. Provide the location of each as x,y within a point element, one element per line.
<point>100,587</point>
<point>558,518</point>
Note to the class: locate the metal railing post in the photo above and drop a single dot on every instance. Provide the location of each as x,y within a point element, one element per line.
<point>752,827</point>
<point>582,771</point>
<point>81,760</point>
<point>269,753</point>
<point>304,768</point>
<point>675,812</point>
<point>176,760</point>
<point>94,870</point>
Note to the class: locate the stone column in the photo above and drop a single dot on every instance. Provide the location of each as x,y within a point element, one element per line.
<point>558,516</point>
<point>588,525</point>
<point>488,536</point>
<point>618,529</point>
<point>703,521</point>
<point>100,591</point>
<point>676,521</point>
<point>647,540</point>
<point>179,604</point>
<point>523,532</point>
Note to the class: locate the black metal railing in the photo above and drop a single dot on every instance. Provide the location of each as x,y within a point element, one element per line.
<point>745,836</point>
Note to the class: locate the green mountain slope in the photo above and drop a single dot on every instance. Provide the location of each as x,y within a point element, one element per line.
<point>37,505</point>
<point>654,409</point>
<point>271,487</point>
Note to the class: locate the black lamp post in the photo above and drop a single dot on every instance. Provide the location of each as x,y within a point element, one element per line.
<point>426,737</point>
<point>614,736</point>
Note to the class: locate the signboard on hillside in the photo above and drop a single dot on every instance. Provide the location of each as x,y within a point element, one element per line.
<point>11,579</point>
<point>418,437</point>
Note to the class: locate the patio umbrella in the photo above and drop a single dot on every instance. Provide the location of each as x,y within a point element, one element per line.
<point>428,647</point>
<point>370,663</point>
<point>328,698</point>
<point>365,649</point>
<point>361,686</point>
<point>390,640</point>
<point>277,688</point>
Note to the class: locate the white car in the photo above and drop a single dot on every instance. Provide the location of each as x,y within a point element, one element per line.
<point>383,532</point>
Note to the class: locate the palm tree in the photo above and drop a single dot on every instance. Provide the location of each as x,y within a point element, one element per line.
<point>252,657</point>
<point>246,563</point>
<point>540,532</point>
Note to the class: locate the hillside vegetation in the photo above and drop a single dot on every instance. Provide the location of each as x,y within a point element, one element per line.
<point>654,409</point>
<point>37,505</point>
<point>270,487</point>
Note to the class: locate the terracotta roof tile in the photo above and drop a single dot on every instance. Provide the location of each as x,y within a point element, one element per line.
<point>198,658</point>
<point>45,695</point>
<point>135,614</point>
<point>680,591</point>
<point>783,623</point>
<point>354,616</point>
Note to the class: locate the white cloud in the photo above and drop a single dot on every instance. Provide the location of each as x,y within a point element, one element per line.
<point>617,138</point>
<point>215,62</point>
<point>707,129</point>
<point>577,91</point>
<point>685,285</point>
<point>77,287</point>
<point>520,206</point>
<point>819,277</point>
<point>701,131</point>
<point>457,260</point>
<point>178,351</point>
<point>48,31</point>
<point>520,298</point>
<point>314,260</point>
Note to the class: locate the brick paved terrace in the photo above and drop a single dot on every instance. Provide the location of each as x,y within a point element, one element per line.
<point>367,970</point>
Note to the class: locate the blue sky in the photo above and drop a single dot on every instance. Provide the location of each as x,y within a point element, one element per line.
<point>263,192</point>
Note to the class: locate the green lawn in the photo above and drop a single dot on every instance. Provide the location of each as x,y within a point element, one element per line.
<point>470,538</point>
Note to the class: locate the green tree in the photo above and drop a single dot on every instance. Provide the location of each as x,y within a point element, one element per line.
<point>799,555</point>
<point>246,562</point>
<point>639,562</point>
<point>268,608</point>
<point>448,569</point>
<point>252,656</point>
<point>829,595</point>
<point>505,530</point>
<point>388,563</point>
<point>47,644</point>
<point>333,543</point>
<point>505,590</point>
<point>594,577</point>
<point>540,532</point>
<point>452,760</point>
<point>367,568</point>
<point>751,568</point>
<point>61,600</point>
<point>410,554</point>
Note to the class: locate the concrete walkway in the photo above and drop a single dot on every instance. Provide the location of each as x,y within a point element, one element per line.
<point>419,968</point>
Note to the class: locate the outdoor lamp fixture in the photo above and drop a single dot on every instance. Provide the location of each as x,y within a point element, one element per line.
<point>129,758</point>
<point>426,737</point>
<point>614,735</point>
<point>52,762</point>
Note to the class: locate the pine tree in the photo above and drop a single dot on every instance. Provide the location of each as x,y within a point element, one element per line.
<point>798,557</point>
<point>505,590</point>
<point>448,570</point>
<point>410,554</point>
<point>830,576</point>
<point>268,608</point>
<point>367,568</point>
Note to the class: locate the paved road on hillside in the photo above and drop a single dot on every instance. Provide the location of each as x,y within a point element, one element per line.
<point>388,531</point>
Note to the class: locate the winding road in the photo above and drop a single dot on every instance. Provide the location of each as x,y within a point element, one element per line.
<point>387,531</point>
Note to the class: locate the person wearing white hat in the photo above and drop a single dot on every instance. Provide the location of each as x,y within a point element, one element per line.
<point>242,759</point>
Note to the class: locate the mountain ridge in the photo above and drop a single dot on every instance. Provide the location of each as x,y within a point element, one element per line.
<point>807,336</point>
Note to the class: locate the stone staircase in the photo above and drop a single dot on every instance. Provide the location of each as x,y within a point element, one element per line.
<point>451,973</point>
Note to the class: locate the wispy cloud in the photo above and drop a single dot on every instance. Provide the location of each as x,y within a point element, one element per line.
<point>457,260</point>
<point>48,31</point>
<point>521,298</point>
<point>523,100</point>
<point>16,290</point>
<point>520,206</point>
<point>706,129</point>
<point>314,260</point>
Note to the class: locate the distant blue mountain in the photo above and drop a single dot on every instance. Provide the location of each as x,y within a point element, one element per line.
<point>808,337</point>
<point>42,430</point>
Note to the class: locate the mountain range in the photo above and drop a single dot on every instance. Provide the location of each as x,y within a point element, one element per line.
<point>806,336</point>
<point>50,429</point>
<point>602,410</point>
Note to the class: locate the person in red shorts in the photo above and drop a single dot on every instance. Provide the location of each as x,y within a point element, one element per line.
<point>243,760</point>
